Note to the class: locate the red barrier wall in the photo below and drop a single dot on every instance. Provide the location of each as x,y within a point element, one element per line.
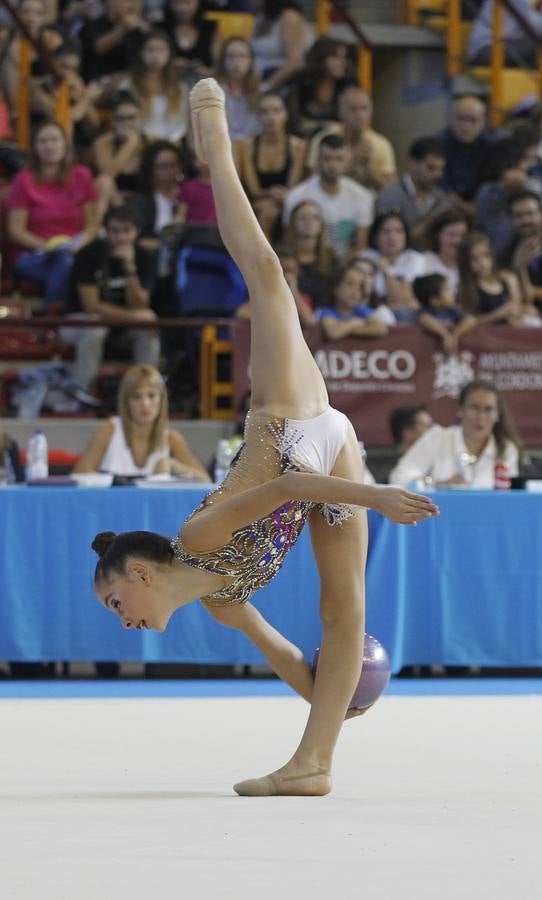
<point>366,378</point>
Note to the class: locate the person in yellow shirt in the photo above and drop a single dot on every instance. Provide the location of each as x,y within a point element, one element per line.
<point>372,157</point>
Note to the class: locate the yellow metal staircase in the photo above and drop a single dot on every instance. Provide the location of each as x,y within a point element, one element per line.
<point>506,86</point>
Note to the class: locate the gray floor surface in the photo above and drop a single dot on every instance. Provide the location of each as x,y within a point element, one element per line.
<point>434,797</point>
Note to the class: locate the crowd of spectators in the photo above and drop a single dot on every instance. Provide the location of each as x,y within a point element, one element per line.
<point>450,241</point>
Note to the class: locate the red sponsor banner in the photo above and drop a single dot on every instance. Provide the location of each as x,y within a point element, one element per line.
<point>367,379</point>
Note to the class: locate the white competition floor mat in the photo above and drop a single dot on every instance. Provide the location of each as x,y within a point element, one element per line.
<point>435,798</point>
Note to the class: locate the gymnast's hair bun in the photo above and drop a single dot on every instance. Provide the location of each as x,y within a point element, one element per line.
<point>102,542</point>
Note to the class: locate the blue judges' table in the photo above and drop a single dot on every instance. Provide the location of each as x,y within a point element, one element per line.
<point>465,589</point>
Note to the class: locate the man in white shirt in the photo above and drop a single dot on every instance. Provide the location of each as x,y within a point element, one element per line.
<point>347,208</point>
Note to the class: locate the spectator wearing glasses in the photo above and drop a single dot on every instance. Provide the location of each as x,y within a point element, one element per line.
<point>466,143</point>
<point>464,455</point>
<point>118,152</point>
<point>160,205</point>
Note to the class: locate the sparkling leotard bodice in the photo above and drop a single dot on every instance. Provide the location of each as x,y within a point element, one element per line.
<point>256,552</point>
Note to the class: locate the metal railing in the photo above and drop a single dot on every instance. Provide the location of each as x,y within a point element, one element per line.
<point>214,389</point>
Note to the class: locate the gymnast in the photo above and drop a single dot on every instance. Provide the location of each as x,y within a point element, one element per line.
<point>300,461</point>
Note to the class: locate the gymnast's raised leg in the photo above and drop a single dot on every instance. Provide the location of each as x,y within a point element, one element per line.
<point>286,382</point>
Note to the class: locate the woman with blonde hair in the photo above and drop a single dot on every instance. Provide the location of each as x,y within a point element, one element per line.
<point>237,77</point>
<point>138,440</point>
<point>163,96</point>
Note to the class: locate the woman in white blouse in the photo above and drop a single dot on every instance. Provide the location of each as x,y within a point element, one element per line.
<point>138,440</point>
<point>466,454</point>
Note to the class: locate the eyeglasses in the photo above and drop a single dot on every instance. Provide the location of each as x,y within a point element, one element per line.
<point>472,120</point>
<point>127,117</point>
<point>482,410</point>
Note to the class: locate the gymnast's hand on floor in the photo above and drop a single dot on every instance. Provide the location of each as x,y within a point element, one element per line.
<point>403,507</point>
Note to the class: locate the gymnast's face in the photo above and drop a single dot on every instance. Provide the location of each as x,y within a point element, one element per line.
<point>136,596</point>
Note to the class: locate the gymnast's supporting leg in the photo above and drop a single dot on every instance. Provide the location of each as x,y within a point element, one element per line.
<point>287,382</point>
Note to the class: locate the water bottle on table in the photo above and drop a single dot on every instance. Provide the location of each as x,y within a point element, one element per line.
<point>225,453</point>
<point>37,457</point>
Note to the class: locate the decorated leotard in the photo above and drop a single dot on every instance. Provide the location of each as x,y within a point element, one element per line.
<point>256,552</point>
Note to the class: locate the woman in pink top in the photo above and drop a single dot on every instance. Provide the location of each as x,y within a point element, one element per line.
<point>51,212</point>
<point>196,195</point>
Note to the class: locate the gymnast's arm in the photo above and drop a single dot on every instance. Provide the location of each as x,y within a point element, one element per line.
<point>286,660</point>
<point>214,526</point>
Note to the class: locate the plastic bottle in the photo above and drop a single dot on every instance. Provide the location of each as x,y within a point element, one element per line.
<point>9,476</point>
<point>503,481</point>
<point>224,456</point>
<point>37,461</point>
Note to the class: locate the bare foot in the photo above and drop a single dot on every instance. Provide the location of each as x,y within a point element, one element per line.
<point>287,782</point>
<point>205,95</point>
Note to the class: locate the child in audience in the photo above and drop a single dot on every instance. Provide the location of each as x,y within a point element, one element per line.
<point>490,294</point>
<point>303,302</point>
<point>439,313</point>
<point>350,316</point>
<point>368,271</point>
